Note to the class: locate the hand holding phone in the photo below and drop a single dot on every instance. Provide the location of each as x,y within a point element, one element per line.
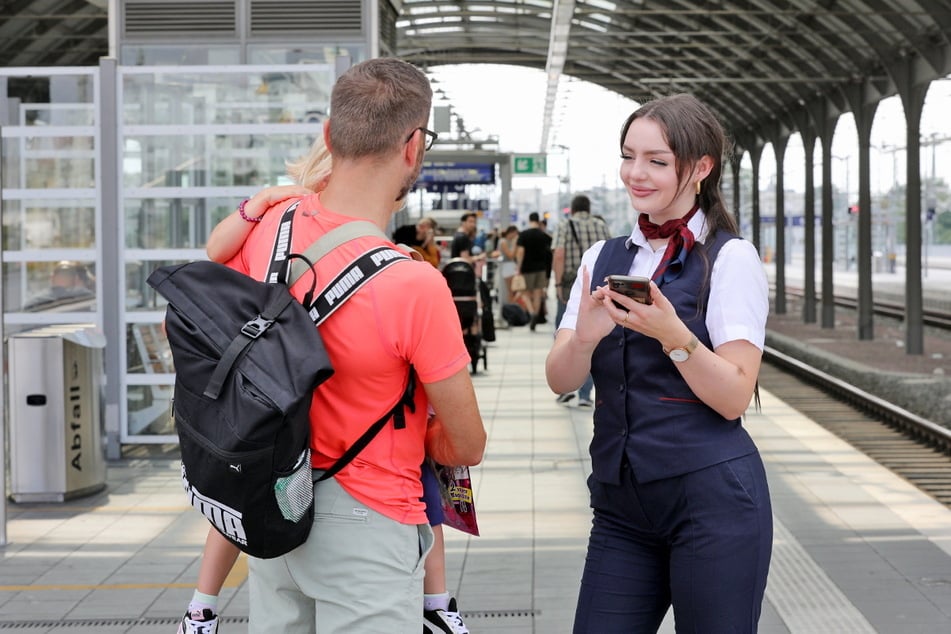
<point>636,287</point>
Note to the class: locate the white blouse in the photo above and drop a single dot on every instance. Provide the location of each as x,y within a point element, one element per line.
<point>739,291</point>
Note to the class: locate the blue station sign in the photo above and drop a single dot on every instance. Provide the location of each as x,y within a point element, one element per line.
<point>451,174</point>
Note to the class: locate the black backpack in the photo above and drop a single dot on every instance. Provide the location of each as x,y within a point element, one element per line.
<point>247,359</point>
<point>515,315</point>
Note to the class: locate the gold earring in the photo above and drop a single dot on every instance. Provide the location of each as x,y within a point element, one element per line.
<point>698,188</point>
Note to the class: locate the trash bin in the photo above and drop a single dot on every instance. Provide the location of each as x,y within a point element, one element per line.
<point>56,379</point>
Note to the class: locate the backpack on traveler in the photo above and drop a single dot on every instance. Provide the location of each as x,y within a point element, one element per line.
<point>247,359</point>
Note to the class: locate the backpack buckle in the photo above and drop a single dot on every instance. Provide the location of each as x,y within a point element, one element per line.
<point>256,327</point>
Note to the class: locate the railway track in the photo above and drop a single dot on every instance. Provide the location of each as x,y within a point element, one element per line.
<point>914,448</point>
<point>931,316</point>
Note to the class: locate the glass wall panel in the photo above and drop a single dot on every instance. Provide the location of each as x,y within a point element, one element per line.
<point>179,55</point>
<point>269,94</point>
<point>52,100</point>
<point>45,162</point>
<point>173,223</point>
<point>140,297</point>
<point>257,159</point>
<point>195,141</point>
<point>148,351</point>
<point>165,161</point>
<point>149,410</point>
<point>58,114</point>
<point>49,186</point>
<point>318,53</point>
<point>49,224</point>
<point>210,159</point>
<point>66,286</point>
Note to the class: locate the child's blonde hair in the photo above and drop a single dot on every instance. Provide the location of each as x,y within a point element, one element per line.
<point>312,169</point>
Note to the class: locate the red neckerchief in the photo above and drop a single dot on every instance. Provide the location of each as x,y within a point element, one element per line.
<point>678,246</point>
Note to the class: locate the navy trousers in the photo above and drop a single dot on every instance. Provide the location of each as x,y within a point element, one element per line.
<point>701,541</point>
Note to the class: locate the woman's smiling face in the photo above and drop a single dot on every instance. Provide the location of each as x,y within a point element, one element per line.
<point>649,172</point>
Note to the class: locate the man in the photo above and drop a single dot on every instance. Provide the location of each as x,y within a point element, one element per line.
<point>361,569</point>
<point>533,258</point>
<point>426,240</point>
<point>575,236</point>
<point>463,242</point>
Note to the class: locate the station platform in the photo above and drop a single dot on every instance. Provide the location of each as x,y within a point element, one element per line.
<point>856,550</point>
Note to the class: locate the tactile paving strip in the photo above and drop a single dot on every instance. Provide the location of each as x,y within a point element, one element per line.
<point>804,596</point>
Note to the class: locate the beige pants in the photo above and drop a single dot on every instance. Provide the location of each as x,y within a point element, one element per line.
<point>358,572</point>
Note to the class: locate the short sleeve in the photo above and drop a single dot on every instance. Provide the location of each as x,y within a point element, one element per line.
<point>739,296</point>
<point>430,324</point>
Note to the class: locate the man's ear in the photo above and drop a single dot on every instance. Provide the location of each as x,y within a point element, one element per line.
<point>411,149</point>
<point>326,132</point>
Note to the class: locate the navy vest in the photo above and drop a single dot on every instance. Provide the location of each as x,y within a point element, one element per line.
<point>645,410</point>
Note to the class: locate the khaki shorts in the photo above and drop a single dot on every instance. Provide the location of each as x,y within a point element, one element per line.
<point>359,571</point>
<point>536,280</point>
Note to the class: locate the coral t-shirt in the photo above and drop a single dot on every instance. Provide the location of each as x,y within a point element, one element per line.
<point>403,316</point>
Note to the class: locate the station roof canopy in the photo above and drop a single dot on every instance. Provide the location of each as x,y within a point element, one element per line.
<point>763,64</point>
<point>53,32</point>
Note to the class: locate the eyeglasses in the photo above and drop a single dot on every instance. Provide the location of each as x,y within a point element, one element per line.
<point>430,136</point>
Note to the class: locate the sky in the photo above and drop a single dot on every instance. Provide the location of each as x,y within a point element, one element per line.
<point>508,102</point>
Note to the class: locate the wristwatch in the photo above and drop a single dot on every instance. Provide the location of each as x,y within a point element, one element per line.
<point>683,353</point>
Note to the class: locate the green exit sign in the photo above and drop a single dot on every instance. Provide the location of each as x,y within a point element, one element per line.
<point>530,164</point>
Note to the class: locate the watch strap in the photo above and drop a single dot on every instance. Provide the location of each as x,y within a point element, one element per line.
<point>688,348</point>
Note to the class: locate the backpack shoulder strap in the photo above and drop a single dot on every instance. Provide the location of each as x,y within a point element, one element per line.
<point>332,297</point>
<point>399,422</point>
<point>329,241</point>
<point>351,278</point>
<point>574,234</point>
<point>282,244</point>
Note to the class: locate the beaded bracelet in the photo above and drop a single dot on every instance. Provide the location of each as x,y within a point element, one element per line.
<point>243,215</point>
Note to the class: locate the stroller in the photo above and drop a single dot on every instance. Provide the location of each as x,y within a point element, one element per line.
<point>469,298</point>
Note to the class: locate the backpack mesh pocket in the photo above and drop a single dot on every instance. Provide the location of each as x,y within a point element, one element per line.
<point>295,492</point>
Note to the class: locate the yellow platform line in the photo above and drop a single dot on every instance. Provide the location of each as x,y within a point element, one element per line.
<point>237,576</point>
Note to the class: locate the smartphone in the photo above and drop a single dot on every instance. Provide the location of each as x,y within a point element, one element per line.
<point>635,287</point>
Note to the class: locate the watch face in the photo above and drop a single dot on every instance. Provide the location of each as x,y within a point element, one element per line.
<point>679,355</point>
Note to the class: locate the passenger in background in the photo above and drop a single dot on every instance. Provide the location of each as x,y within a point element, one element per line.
<point>492,240</point>
<point>533,261</point>
<point>479,241</point>
<point>421,238</point>
<point>426,240</point>
<point>463,242</point>
<point>405,235</point>
<point>508,246</point>
<point>681,504</point>
<point>576,234</point>
<point>543,316</point>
